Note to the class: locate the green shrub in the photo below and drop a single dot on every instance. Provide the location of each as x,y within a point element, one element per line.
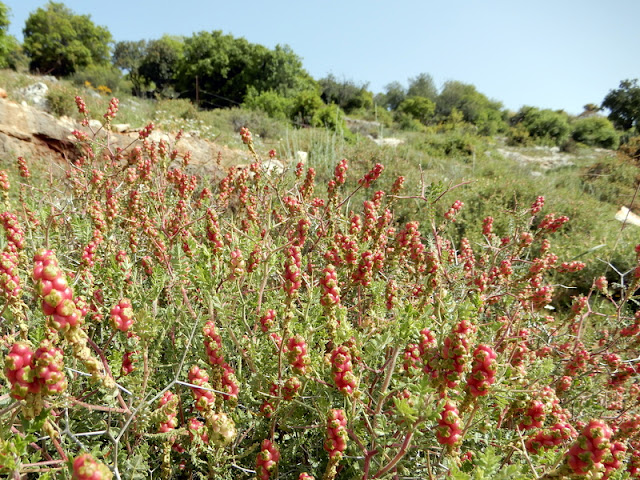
<point>518,135</point>
<point>546,126</point>
<point>101,76</point>
<point>270,102</point>
<point>420,108</point>
<point>305,105</point>
<point>60,100</point>
<point>595,132</point>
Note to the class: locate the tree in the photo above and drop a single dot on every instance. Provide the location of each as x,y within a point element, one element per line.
<point>420,108</point>
<point>8,43</point>
<point>394,94</point>
<point>128,57</point>
<point>160,61</point>
<point>59,42</point>
<point>544,124</point>
<point>595,131</point>
<point>224,67</point>
<point>346,94</point>
<point>423,86</point>
<point>475,107</point>
<point>624,105</point>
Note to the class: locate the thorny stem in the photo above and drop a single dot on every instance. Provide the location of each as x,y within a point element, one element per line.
<point>401,453</point>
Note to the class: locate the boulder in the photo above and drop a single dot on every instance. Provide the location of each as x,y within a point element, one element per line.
<point>36,94</point>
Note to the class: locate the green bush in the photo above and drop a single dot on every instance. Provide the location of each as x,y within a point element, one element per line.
<point>546,126</point>
<point>60,100</point>
<point>305,105</point>
<point>420,108</point>
<point>270,102</point>
<point>595,132</point>
<point>101,76</point>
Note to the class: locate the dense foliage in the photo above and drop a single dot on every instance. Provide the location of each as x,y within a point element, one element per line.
<point>158,324</point>
<point>58,42</point>
<point>624,105</point>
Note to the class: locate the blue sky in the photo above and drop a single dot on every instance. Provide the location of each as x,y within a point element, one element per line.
<point>557,54</point>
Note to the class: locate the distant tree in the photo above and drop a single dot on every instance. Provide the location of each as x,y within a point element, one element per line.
<point>58,42</point>
<point>624,105</point>
<point>595,131</point>
<point>272,103</point>
<point>393,96</point>
<point>306,105</point>
<point>8,44</point>
<point>160,62</point>
<point>280,70</point>
<point>590,109</point>
<point>225,67</point>
<point>475,107</point>
<point>346,94</point>
<point>128,56</point>
<point>422,85</point>
<point>548,125</point>
<point>420,108</point>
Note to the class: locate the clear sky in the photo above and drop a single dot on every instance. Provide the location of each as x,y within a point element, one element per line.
<point>559,54</point>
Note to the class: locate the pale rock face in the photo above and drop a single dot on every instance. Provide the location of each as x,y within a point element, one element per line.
<point>36,94</point>
<point>392,142</point>
<point>628,217</point>
<point>301,157</point>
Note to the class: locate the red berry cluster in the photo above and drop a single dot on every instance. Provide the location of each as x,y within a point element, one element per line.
<point>330,289</point>
<point>589,450</point>
<point>267,320</point>
<point>411,358</point>
<point>340,172</point>
<point>305,476</point>
<point>168,406</point>
<point>534,416</point>
<point>15,235</point>
<point>85,467</point>
<point>267,460</point>
<point>245,134</point>
<point>197,428</point>
<point>82,107</point>
<point>49,368</point>
<point>293,276</point>
<point>213,346</point>
<point>483,370</point>
<point>290,388</point>
<point>127,363</point>
<point>550,437</point>
<point>237,264</point>
<point>336,441</point>
<point>453,211</point>
<point>57,296</point>
<point>4,181</point>
<point>487,226</point>
<point>122,315</point>
<point>112,111</point>
<point>551,223</point>
<point>146,131</point>
<point>612,461</point>
<point>449,431</point>
<point>19,369</point>
<point>537,205</point>
<point>298,354</point>
<point>455,350</point>
<point>372,175</point>
<point>9,279</point>
<point>204,398</point>
<point>342,369</point>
